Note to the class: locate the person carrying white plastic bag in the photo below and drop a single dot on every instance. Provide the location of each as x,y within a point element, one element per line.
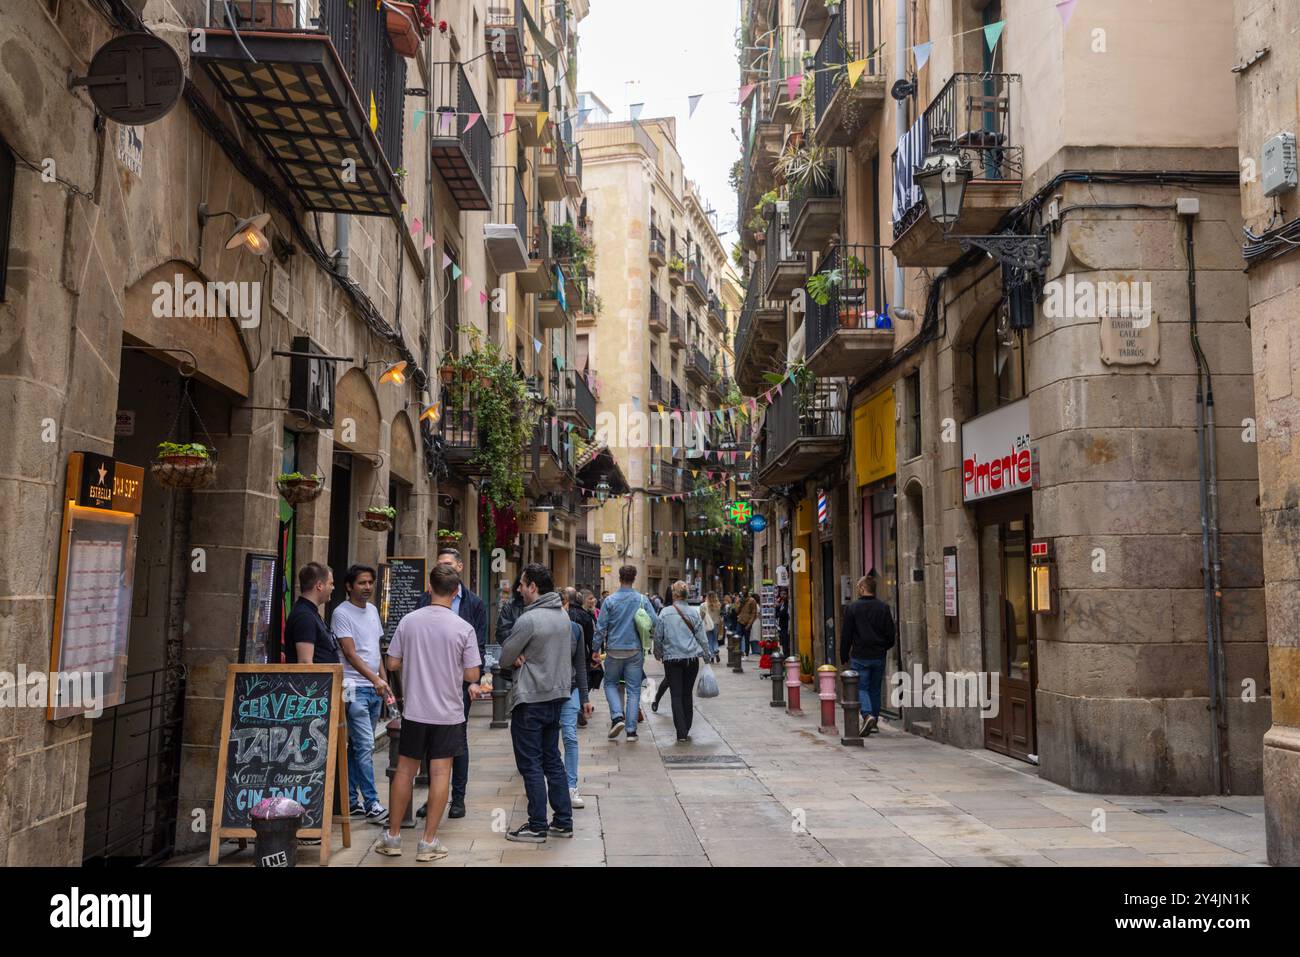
<point>680,643</point>
<point>707,686</point>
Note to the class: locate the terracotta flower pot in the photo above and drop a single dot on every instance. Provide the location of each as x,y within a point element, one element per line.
<point>402,28</point>
<point>446,374</point>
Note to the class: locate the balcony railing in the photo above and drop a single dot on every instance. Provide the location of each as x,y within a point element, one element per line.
<point>792,417</point>
<point>777,250</point>
<point>656,318</point>
<point>576,395</point>
<point>539,237</point>
<point>852,33</point>
<point>301,107</point>
<point>716,312</point>
<point>657,391</point>
<point>676,329</point>
<point>975,111</point>
<point>702,364</point>
<point>531,88</point>
<point>853,301</point>
<point>676,396</point>
<point>504,38</point>
<point>509,203</point>
<point>458,429</point>
<point>462,153</point>
<point>699,281</point>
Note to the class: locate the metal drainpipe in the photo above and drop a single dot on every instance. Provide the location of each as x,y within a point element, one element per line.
<point>900,124</point>
<point>1210,564</point>
<point>342,232</point>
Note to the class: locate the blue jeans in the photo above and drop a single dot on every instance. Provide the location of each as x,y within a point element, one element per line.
<point>535,733</point>
<point>460,765</point>
<point>363,714</point>
<point>632,671</point>
<point>569,731</point>
<point>713,641</point>
<point>871,672</point>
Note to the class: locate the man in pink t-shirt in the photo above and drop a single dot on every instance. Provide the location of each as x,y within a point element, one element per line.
<point>435,650</point>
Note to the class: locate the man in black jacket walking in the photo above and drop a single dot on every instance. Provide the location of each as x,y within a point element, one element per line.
<point>868,634</point>
<point>471,609</point>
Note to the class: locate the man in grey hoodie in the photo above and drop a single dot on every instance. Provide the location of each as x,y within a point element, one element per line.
<point>540,650</point>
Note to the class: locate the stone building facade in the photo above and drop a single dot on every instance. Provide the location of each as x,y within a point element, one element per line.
<point>105,215</point>
<point>661,345</point>
<point>1275,349</point>
<point>988,419</point>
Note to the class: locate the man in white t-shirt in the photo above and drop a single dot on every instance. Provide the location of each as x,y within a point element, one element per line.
<point>357,627</point>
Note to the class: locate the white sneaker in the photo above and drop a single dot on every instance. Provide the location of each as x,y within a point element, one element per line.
<point>575,799</point>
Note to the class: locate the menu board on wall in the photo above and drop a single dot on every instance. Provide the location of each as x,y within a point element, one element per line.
<point>280,737</point>
<point>92,610</point>
<point>260,583</point>
<point>400,592</point>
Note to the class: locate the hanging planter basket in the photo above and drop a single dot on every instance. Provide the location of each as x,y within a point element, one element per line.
<point>446,374</point>
<point>402,31</point>
<point>301,490</point>
<point>185,469</point>
<point>376,519</point>
<point>448,541</point>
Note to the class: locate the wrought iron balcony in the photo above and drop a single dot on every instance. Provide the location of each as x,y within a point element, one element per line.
<point>843,113</point>
<point>803,433</point>
<point>716,311</point>
<point>676,330</point>
<point>761,337</point>
<point>658,392</point>
<point>461,151</point>
<point>539,277</point>
<point>658,250</point>
<point>815,210</point>
<point>552,309</point>
<point>550,170</point>
<point>301,78</point>
<point>504,39</point>
<point>700,367</point>
<point>461,440</point>
<point>976,111</point>
<point>506,232</point>
<point>576,400</point>
<point>676,396</point>
<point>532,98</point>
<point>658,319</point>
<point>698,287</point>
<point>784,267</point>
<point>842,336</point>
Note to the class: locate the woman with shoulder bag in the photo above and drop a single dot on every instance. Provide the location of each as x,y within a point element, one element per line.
<point>712,622</point>
<point>680,643</point>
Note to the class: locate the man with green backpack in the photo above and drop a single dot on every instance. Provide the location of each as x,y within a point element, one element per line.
<point>625,626</point>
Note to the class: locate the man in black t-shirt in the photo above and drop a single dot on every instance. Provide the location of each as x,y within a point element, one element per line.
<point>306,639</point>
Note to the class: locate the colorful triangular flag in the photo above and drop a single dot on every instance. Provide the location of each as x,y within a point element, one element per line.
<point>446,260</point>
<point>792,85</point>
<point>922,53</point>
<point>635,109</point>
<point>468,283</point>
<point>694,101</point>
<point>509,121</point>
<point>856,69</point>
<point>455,271</point>
<point>473,118</point>
<point>374,113</point>
<point>745,92</point>
<point>428,240</point>
<point>416,226</point>
<point>992,31</point>
<point>482,297</point>
<point>419,115</point>
<point>540,121</point>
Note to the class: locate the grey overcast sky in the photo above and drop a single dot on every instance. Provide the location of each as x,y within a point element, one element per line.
<point>660,54</point>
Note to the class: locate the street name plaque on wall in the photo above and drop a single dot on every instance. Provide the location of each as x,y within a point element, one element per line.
<point>1130,338</point>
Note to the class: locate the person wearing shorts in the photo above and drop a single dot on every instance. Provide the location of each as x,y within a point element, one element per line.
<point>435,650</point>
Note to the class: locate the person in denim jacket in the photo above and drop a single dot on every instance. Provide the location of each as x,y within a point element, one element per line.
<point>616,629</point>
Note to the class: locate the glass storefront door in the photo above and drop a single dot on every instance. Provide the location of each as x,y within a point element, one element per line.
<point>880,558</point>
<point>1008,627</point>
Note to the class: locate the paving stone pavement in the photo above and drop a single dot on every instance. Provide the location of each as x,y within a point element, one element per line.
<point>798,798</point>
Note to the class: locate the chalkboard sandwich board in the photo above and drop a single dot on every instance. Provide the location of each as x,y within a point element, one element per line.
<point>281,737</point>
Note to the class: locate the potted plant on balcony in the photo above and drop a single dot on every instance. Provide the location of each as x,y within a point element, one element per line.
<point>184,465</point>
<point>378,518</point>
<point>804,166</point>
<point>677,266</point>
<point>404,27</point>
<point>448,538</point>
<point>296,488</point>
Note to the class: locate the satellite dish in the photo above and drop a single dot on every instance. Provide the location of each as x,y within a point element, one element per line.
<point>134,79</point>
